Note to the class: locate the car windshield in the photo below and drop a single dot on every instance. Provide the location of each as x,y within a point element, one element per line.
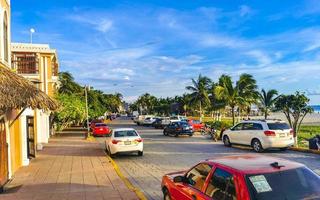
<point>278,126</point>
<point>174,118</point>
<point>98,125</point>
<point>126,133</point>
<point>294,184</point>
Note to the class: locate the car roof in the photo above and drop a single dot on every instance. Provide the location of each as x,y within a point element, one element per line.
<point>253,164</point>
<point>263,120</point>
<point>123,129</point>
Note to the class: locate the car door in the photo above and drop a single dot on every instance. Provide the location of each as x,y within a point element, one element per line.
<point>170,128</point>
<point>221,185</point>
<point>234,134</point>
<point>192,188</point>
<point>247,133</point>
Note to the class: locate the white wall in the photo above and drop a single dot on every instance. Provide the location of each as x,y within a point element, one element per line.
<point>24,142</point>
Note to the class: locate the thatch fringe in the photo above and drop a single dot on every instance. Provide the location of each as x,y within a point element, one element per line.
<point>17,92</point>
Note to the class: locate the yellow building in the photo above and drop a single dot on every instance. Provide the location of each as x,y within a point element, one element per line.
<point>18,96</point>
<point>39,64</point>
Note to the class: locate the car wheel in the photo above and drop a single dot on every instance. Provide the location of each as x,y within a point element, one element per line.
<point>140,153</point>
<point>166,195</point>
<point>165,133</point>
<point>226,141</point>
<point>256,145</point>
<point>176,135</point>
<point>190,135</point>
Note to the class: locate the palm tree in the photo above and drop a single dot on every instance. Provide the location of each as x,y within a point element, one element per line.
<point>228,93</point>
<point>199,89</point>
<point>267,99</point>
<point>247,88</point>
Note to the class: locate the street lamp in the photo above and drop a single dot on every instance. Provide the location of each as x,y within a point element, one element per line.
<point>86,89</point>
<point>31,32</point>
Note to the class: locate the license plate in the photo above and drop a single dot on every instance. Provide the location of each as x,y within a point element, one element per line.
<point>282,135</point>
<point>127,142</point>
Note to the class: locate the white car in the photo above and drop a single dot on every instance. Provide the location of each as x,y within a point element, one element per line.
<point>124,140</point>
<point>149,121</point>
<point>177,118</point>
<point>260,134</point>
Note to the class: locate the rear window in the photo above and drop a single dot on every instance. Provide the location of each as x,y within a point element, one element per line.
<point>97,125</point>
<point>300,183</point>
<point>278,126</point>
<point>196,121</point>
<point>129,133</point>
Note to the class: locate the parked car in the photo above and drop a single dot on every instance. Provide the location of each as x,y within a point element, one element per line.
<point>177,118</point>
<point>178,128</point>
<point>196,124</point>
<point>124,140</point>
<point>101,129</point>
<point>140,119</point>
<point>243,177</point>
<point>162,122</point>
<point>94,122</point>
<point>260,134</point>
<point>148,121</point>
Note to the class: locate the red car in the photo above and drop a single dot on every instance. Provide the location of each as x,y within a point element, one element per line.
<point>101,129</point>
<point>196,124</point>
<point>243,177</point>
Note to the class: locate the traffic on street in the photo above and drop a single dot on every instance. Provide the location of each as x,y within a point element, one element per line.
<point>163,155</point>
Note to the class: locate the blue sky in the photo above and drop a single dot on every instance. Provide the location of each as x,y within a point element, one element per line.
<point>135,47</point>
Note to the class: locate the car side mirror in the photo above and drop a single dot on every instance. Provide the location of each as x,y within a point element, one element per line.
<point>179,179</point>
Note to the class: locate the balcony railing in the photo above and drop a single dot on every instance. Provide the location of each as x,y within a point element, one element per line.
<point>25,63</point>
<point>55,69</point>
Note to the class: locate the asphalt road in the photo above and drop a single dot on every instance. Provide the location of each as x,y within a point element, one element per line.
<point>163,154</point>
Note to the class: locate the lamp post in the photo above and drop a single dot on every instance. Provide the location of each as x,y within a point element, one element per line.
<point>31,32</point>
<point>86,89</point>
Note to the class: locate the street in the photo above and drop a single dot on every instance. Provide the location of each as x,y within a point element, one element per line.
<point>168,154</point>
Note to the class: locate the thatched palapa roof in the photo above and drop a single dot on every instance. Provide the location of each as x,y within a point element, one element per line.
<point>16,92</point>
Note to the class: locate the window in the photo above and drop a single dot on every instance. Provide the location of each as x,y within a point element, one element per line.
<point>197,176</point>
<point>238,127</point>
<point>252,126</point>
<point>129,133</point>
<point>278,126</point>
<point>299,183</point>
<point>221,186</point>
<point>5,37</point>
<point>257,126</point>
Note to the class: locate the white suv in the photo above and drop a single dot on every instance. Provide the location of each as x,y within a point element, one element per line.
<point>260,134</point>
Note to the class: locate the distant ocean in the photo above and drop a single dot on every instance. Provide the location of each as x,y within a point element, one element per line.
<point>316,108</point>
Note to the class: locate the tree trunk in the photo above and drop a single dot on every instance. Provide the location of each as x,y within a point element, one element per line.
<point>200,111</point>
<point>233,115</point>
<point>265,114</point>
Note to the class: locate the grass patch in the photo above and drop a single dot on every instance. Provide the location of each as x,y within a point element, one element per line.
<point>307,132</point>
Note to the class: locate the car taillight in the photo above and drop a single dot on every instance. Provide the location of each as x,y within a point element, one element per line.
<point>270,133</point>
<point>115,141</point>
<point>139,140</point>
<point>291,131</point>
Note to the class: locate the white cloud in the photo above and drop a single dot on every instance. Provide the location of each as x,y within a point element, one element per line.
<point>262,58</point>
<point>100,23</point>
<point>123,71</point>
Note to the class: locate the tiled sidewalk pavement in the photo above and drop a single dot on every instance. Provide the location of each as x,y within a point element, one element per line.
<point>68,168</point>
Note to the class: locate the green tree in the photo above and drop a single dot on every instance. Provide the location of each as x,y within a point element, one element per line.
<point>228,93</point>
<point>199,92</point>
<point>67,84</point>
<point>295,108</point>
<point>267,100</point>
<point>71,110</point>
<point>247,88</point>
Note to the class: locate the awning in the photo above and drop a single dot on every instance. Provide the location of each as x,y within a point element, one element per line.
<point>16,92</point>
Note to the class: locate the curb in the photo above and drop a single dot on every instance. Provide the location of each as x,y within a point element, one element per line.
<point>304,150</point>
<point>136,190</point>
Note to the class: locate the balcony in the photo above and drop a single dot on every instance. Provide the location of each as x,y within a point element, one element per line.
<point>25,63</point>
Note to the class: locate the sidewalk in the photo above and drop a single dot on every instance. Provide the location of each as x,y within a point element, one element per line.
<point>68,168</point>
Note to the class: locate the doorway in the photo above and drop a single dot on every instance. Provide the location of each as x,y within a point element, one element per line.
<point>30,137</point>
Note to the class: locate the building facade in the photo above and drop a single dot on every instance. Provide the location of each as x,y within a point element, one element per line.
<point>39,64</point>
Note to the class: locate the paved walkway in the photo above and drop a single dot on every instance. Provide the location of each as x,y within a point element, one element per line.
<point>68,168</point>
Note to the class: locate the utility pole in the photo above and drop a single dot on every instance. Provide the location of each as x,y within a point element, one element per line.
<point>87,109</point>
